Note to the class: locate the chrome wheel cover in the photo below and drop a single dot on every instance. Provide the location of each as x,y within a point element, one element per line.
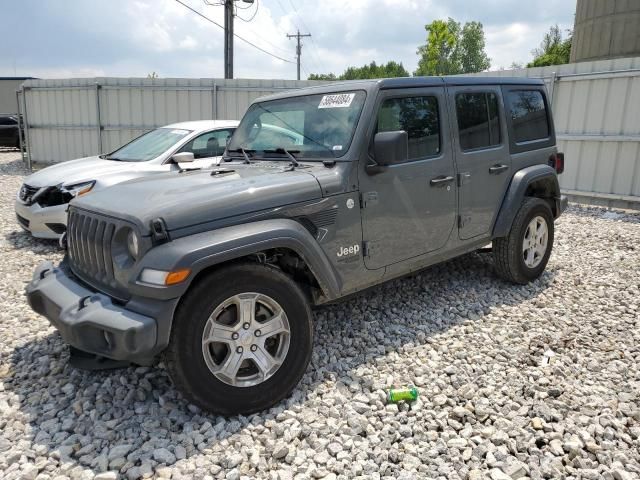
<point>246,339</point>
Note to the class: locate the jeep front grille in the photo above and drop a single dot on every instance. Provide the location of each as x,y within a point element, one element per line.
<point>89,240</point>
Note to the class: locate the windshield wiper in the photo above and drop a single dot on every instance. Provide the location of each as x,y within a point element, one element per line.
<point>244,152</point>
<point>288,153</point>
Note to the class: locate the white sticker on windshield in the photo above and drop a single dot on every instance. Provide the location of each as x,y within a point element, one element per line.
<point>179,132</point>
<point>337,147</point>
<point>339,100</point>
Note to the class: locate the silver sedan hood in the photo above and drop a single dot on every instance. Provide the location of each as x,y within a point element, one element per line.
<point>81,170</point>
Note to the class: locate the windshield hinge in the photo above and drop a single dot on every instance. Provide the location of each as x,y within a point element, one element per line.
<point>159,231</point>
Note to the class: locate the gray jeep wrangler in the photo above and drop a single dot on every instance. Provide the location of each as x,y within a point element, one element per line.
<point>325,191</point>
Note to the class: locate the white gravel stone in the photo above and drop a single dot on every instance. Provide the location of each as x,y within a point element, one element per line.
<point>106,476</point>
<point>537,381</point>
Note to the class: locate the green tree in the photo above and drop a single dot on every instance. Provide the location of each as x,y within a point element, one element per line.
<point>373,70</point>
<point>452,49</point>
<point>471,46</point>
<point>554,50</point>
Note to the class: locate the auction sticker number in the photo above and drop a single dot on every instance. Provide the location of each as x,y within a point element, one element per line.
<point>339,100</point>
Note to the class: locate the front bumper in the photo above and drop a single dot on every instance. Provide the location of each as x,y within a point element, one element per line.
<point>91,321</point>
<point>39,220</point>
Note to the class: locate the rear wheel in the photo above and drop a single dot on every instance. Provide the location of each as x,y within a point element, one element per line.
<point>241,339</point>
<point>522,255</point>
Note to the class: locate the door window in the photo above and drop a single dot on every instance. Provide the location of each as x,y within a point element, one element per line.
<point>478,120</point>
<point>419,117</point>
<point>528,115</point>
<point>8,121</point>
<point>210,144</point>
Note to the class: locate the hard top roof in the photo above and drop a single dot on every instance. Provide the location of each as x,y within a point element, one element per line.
<point>403,82</point>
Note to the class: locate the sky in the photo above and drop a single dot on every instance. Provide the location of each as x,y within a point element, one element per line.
<point>132,38</point>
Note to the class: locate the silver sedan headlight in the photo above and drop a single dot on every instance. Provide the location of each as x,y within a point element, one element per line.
<point>79,188</point>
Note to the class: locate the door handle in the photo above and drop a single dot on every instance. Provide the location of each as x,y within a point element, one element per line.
<point>499,168</point>
<point>441,181</point>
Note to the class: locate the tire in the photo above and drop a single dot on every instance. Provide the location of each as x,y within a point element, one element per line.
<point>192,365</point>
<point>511,261</point>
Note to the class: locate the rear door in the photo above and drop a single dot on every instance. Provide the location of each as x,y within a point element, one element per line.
<point>410,208</point>
<point>482,156</point>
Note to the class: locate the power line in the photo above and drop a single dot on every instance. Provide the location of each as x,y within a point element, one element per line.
<point>245,8</point>
<point>262,39</point>
<point>235,34</point>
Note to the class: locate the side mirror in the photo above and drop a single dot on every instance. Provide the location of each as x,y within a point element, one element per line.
<point>183,157</point>
<point>389,148</point>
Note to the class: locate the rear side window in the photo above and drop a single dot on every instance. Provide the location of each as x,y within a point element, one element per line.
<point>528,115</point>
<point>478,120</point>
<point>419,117</point>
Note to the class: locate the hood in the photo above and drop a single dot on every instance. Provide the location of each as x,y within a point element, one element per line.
<point>76,171</point>
<point>201,196</point>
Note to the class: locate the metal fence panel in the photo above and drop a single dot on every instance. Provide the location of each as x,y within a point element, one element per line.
<point>595,107</point>
<point>596,110</point>
<point>73,118</point>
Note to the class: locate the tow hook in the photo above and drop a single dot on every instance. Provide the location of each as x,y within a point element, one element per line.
<point>83,302</point>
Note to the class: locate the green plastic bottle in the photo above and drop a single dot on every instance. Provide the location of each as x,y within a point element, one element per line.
<point>402,395</point>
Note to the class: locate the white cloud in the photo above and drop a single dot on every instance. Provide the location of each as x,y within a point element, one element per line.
<point>133,38</point>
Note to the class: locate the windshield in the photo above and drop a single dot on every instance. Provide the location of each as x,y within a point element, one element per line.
<point>312,126</point>
<point>149,145</point>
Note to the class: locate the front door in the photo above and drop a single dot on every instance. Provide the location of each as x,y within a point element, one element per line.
<point>409,209</point>
<point>482,156</point>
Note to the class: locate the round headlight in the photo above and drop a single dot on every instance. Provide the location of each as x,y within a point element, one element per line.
<point>133,244</point>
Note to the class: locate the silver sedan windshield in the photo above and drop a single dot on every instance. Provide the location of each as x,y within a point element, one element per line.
<point>149,145</point>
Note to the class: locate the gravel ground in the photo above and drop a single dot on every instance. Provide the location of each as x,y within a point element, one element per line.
<point>539,381</point>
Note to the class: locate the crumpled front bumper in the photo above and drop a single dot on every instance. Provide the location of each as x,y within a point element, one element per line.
<point>39,220</point>
<point>91,321</point>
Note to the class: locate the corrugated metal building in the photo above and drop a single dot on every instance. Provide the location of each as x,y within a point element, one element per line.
<point>606,29</point>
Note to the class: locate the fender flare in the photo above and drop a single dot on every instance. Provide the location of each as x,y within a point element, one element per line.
<point>517,191</point>
<point>203,250</point>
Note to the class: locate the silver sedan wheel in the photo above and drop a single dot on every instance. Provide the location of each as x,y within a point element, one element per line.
<point>246,339</point>
<point>536,239</point>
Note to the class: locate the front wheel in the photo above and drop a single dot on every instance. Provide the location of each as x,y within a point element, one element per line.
<point>241,339</point>
<point>522,255</point>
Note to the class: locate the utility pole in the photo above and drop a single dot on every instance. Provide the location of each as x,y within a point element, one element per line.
<point>299,47</point>
<point>229,13</point>
<point>228,38</point>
